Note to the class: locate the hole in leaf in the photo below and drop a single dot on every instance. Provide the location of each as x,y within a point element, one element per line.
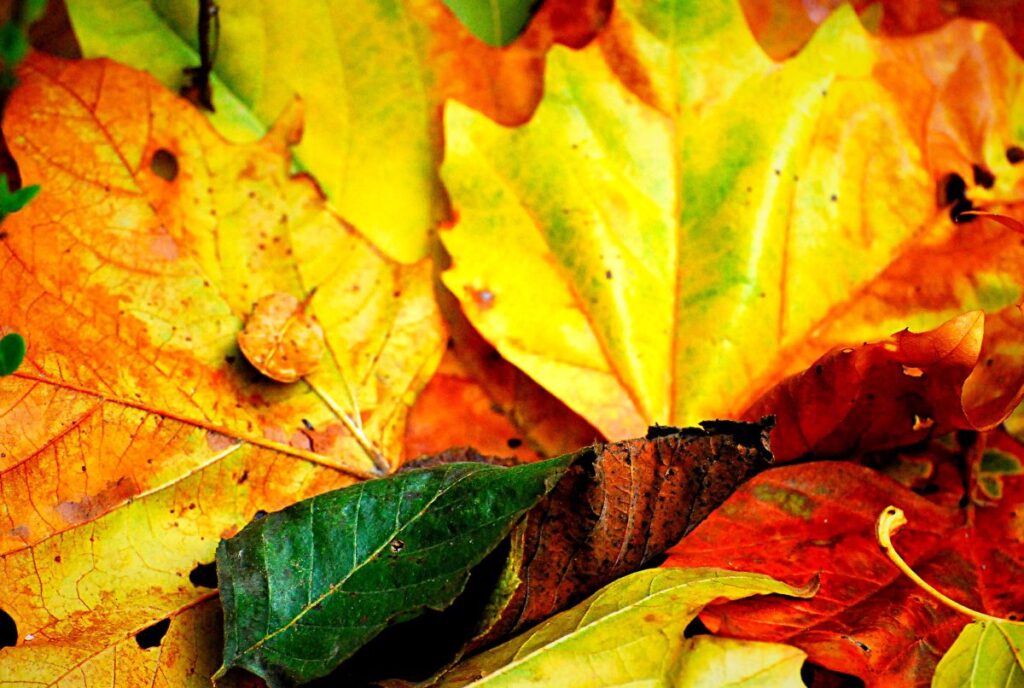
<point>204,575</point>
<point>1015,154</point>
<point>164,164</point>
<point>514,443</point>
<point>8,630</point>
<point>151,636</point>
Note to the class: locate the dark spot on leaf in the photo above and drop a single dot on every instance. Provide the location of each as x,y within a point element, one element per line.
<point>8,630</point>
<point>608,274</point>
<point>983,177</point>
<point>3,235</point>
<point>204,575</point>
<point>1015,154</point>
<point>242,478</point>
<point>514,443</point>
<point>833,198</point>
<point>151,636</point>
<point>308,425</point>
<point>164,164</point>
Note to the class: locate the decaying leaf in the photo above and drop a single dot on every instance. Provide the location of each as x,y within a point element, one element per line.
<point>682,254</point>
<point>280,339</point>
<point>304,588</point>
<point>630,632</point>
<point>374,154</point>
<point>817,519</point>
<point>135,435</point>
<point>987,653</point>
<point>619,506</point>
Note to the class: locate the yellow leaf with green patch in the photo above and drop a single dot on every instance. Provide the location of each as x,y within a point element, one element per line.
<point>678,228</point>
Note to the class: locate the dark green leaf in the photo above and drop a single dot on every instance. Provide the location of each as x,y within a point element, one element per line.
<point>13,44</point>
<point>12,353</point>
<point>495,22</point>
<point>306,587</point>
<point>33,11</point>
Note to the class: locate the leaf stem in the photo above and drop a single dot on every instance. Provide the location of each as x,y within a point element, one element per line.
<point>380,463</point>
<point>889,521</point>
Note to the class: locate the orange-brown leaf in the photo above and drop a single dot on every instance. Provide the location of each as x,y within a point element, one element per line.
<point>135,435</point>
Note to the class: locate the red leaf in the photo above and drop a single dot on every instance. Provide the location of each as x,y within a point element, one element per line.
<point>968,373</point>
<point>867,619</point>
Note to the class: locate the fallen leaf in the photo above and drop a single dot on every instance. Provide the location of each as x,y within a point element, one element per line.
<point>783,27</point>
<point>135,436</point>
<point>280,339</point>
<point>374,154</point>
<point>709,662</point>
<point>630,632</point>
<point>496,24</point>
<point>306,587</point>
<point>454,410</point>
<point>902,390</point>
<point>480,400</point>
<point>817,519</point>
<point>617,508</point>
<point>681,257</point>
<point>987,653</point>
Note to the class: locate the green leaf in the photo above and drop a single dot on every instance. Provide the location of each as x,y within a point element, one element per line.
<point>495,22</point>
<point>987,653</point>
<point>12,353</point>
<point>12,202</point>
<point>306,587</point>
<point>629,632</point>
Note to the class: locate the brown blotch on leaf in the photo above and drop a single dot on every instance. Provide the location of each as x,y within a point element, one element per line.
<point>281,340</point>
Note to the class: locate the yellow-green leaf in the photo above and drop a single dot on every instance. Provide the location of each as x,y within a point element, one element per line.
<point>629,632</point>
<point>987,653</point>
<point>669,212</point>
<point>710,662</point>
<point>359,67</point>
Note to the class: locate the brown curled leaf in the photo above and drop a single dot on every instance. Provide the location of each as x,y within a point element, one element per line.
<point>618,507</point>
